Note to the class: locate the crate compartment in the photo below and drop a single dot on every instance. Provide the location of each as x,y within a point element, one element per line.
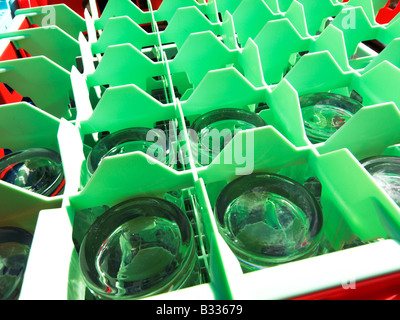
<point>32,129</point>
<point>133,186</point>
<point>348,37</point>
<point>123,29</point>
<point>388,54</point>
<point>23,75</point>
<point>349,214</point>
<point>53,43</point>
<point>58,15</point>
<point>346,45</point>
<point>379,101</point>
<point>163,13</point>
<point>145,72</point>
<point>113,113</point>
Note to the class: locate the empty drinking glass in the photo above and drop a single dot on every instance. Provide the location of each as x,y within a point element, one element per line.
<point>385,170</point>
<point>15,245</point>
<point>268,219</point>
<point>36,169</point>
<point>325,113</point>
<point>215,129</point>
<point>138,248</point>
<point>129,140</point>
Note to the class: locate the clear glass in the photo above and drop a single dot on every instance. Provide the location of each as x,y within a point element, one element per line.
<point>385,170</point>
<point>325,113</point>
<point>129,140</point>
<point>138,248</point>
<point>36,169</point>
<point>268,219</point>
<point>14,251</point>
<point>314,186</point>
<point>215,129</point>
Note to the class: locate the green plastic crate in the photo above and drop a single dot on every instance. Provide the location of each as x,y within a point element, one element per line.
<point>219,60</point>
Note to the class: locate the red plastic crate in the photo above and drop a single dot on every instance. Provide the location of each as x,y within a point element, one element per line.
<point>385,287</point>
<point>8,95</point>
<point>387,13</point>
<point>76,5</point>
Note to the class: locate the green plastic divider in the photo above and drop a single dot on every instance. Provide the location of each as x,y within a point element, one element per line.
<point>117,179</point>
<point>211,71</point>
<point>302,14</point>
<point>286,114</point>
<point>284,5</point>
<point>227,5</point>
<point>120,30</point>
<point>315,14</point>
<point>125,64</point>
<point>51,42</point>
<point>223,265</point>
<point>116,8</point>
<point>350,28</point>
<point>33,128</point>
<point>55,15</point>
<point>368,133</point>
<point>303,27</point>
<point>376,87</point>
<point>379,84</point>
<point>251,150</point>
<point>371,7</point>
<point>122,8</point>
<point>168,8</point>
<point>353,204</point>
<point>276,6</point>
<point>249,18</point>
<point>215,91</point>
<point>81,95</point>
<point>27,75</point>
<point>275,63</point>
<point>123,29</point>
<point>119,107</point>
<point>325,74</point>
<point>135,177</point>
<point>389,54</point>
<point>205,45</point>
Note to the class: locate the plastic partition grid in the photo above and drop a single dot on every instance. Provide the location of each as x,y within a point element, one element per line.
<point>101,96</point>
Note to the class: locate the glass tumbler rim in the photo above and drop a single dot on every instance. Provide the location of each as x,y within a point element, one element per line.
<point>375,160</point>
<point>201,145</point>
<point>21,156</point>
<point>342,106</point>
<point>113,140</point>
<point>232,113</point>
<point>383,169</point>
<point>261,179</point>
<point>337,96</point>
<point>11,234</point>
<point>121,213</point>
